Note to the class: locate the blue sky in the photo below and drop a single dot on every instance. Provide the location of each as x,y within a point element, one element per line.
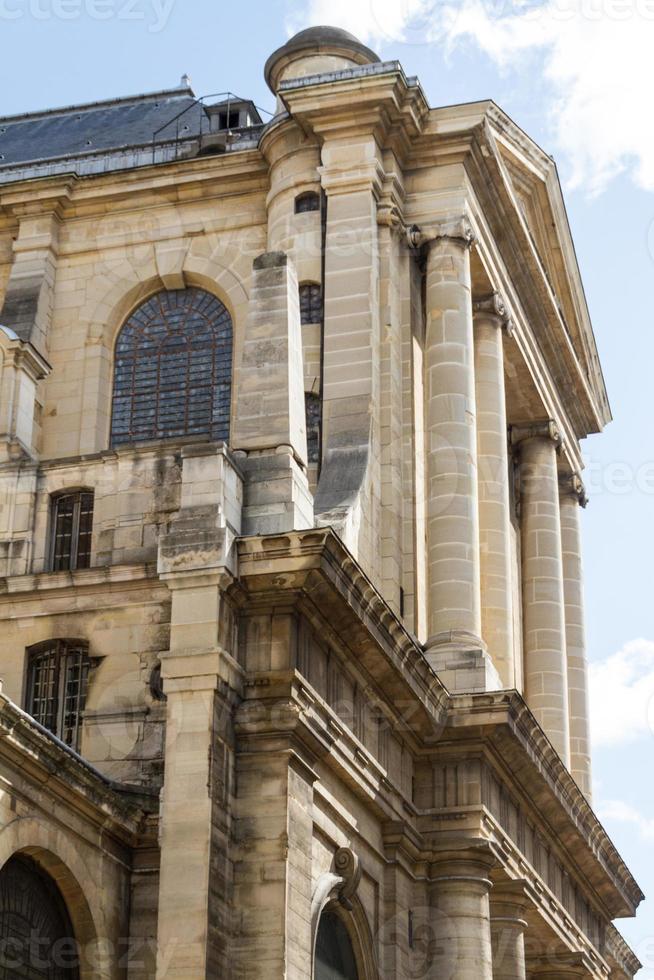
<point>578,76</point>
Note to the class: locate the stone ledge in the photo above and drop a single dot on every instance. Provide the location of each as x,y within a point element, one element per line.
<point>43,759</point>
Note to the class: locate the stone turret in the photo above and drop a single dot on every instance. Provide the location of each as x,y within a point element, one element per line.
<point>311,52</point>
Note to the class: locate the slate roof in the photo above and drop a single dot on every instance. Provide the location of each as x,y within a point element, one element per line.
<point>101,136</point>
<point>99,126</point>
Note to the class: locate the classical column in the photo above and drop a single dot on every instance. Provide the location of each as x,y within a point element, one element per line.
<point>572,499</point>
<point>490,321</point>
<point>454,646</point>
<point>546,670</point>
<point>507,911</point>
<point>460,908</point>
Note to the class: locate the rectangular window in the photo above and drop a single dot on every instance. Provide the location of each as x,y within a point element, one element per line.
<point>57,683</point>
<point>72,528</point>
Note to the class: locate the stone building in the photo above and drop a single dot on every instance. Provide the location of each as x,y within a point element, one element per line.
<point>294,678</point>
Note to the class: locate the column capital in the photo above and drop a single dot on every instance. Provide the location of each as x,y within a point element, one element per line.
<point>471,865</point>
<point>509,901</point>
<point>457,230</point>
<point>493,309</point>
<point>547,429</point>
<point>571,485</point>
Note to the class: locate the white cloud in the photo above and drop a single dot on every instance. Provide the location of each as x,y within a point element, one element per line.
<point>594,56</point>
<point>622,695</point>
<point>617,811</point>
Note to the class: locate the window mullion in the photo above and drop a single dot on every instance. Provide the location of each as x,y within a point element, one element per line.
<point>74,541</point>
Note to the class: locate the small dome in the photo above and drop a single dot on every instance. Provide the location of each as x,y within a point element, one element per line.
<point>314,42</point>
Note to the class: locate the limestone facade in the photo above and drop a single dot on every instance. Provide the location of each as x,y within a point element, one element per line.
<point>315,711</point>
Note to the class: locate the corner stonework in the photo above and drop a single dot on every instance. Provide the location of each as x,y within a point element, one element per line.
<point>269,435</point>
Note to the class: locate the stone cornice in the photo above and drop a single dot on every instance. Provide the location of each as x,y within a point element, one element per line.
<point>32,198</point>
<point>213,176</point>
<point>618,951</point>
<point>315,566</point>
<point>377,99</point>
<point>22,354</point>
<point>41,757</point>
<point>503,719</point>
<point>83,581</point>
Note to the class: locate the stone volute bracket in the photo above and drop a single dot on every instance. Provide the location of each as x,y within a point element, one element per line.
<point>338,885</point>
<point>494,307</point>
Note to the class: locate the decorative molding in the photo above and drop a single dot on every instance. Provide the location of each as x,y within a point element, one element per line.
<point>338,885</point>
<point>571,485</point>
<point>547,429</point>
<point>493,307</point>
<point>346,866</point>
<point>22,354</point>
<point>457,230</point>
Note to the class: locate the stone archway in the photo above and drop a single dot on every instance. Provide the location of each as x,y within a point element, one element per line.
<point>37,940</point>
<point>62,862</point>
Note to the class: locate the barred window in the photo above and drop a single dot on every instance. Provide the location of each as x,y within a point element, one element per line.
<point>307,202</point>
<point>173,369</point>
<point>313,410</point>
<point>310,302</point>
<point>57,682</point>
<point>72,529</point>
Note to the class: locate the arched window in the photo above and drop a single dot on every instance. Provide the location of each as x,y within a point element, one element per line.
<point>310,201</point>
<point>173,369</point>
<point>36,934</point>
<point>334,957</point>
<point>72,528</point>
<point>310,302</point>
<point>313,410</point>
<point>57,683</point>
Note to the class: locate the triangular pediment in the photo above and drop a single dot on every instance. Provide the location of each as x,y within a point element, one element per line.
<point>535,188</point>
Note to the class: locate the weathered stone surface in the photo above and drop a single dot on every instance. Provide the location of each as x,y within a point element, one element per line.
<point>292,708</point>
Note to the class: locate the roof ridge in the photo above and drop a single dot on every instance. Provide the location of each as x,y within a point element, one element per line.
<point>101,103</point>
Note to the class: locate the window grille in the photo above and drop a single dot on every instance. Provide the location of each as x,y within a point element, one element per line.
<point>173,369</point>
<point>57,686</point>
<point>310,303</point>
<point>307,202</point>
<point>72,530</point>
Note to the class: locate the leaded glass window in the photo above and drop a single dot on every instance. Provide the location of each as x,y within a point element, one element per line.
<point>72,529</point>
<point>58,673</point>
<point>37,941</point>
<point>310,302</point>
<point>173,369</point>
